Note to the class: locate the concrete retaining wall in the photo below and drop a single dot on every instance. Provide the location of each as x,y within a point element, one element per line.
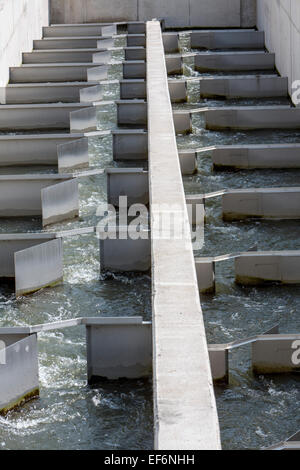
<point>184,405</point>
<point>177,13</point>
<point>280,21</point>
<point>19,375</point>
<point>21,22</point>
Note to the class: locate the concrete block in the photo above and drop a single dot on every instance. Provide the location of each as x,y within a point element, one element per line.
<point>119,349</point>
<point>188,162</point>
<point>20,195</point>
<point>38,267</point>
<point>260,268</point>
<point>174,65</point>
<point>73,92</point>
<point>136,40</point>
<point>218,356</point>
<point>72,56</point>
<point>276,355</point>
<point>12,243</point>
<point>205,269</point>
<point>270,203</point>
<point>249,118</point>
<point>83,120</point>
<point>138,27</point>
<point>130,145</point>
<point>38,73</point>
<point>134,69</point>
<point>130,182</point>
<point>257,156</point>
<point>132,113</point>
<point>232,39</point>
<point>73,30</point>
<point>182,121</point>
<point>253,86</point>
<point>36,149</point>
<point>19,377</point>
<point>234,61</point>
<point>124,254</point>
<point>73,155</point>
<point>135,53</point>
<point>60,202</point>
<point>74,43</point>
<point>170,42</point>
<point>46,116</point>
<point>133,89</point>
<point>178,91</point>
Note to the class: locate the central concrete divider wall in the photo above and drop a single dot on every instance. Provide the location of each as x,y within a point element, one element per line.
<point>21,22</point>
<point>177,13</point>
<point>185,414</point>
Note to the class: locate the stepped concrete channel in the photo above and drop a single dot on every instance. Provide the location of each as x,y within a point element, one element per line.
<point>60,88</point>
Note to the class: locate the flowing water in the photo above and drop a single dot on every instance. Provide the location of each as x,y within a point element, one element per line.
<point>69,414</point>
<point>253,411</point>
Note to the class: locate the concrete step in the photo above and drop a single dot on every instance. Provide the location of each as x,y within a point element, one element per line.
<point>37,73</point>
<point>136,89</point>
<point>170,41</point>
<point>71,30</point>
<point>77,116</point>
<point>35,149</point>
<point>228,39</point>
<point>256,156</point>
<point>250,118</point>
<point>84,42</point>
<point>30,93</point>
<point>97,56</point>
<point>234,61</point>
<point>248,86</point>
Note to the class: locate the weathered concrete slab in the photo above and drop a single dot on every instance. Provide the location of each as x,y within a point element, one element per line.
<point>132,113</point>
<point>258,268</point>
<point>60,202</point>
<point>74,92</point>
<point>19,376</point>
<point>13,243</point>
<point>74,43</point>
<point>256,117</point>
<point>21,194</point>
<point>120,348</point>
<point>270,203</point>
<point>73,155</point>
<point>36,149</point>
<point>134,69</point>
<point>71,30</point>
<point>136,89</point>
<point>256,156</point>
<point>38,267</point>
<point>38,73</point>
<point>234,61</point>
<point>44,116</point>
<point>130,144</point>
<point>184,417</point>
<point>130,182</point>
<point>97,56</point>
<point>135,53</point>
<point>252,86</point>
<point>228,39</point>
<point>124,254</point>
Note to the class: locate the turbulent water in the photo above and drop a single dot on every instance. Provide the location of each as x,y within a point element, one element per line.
<point>253,411</point>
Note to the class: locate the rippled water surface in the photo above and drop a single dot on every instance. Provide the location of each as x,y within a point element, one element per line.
<point>69,414</point>
<point>254,411</point>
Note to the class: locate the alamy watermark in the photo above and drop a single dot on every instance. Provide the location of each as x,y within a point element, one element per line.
<point>168,222</point>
